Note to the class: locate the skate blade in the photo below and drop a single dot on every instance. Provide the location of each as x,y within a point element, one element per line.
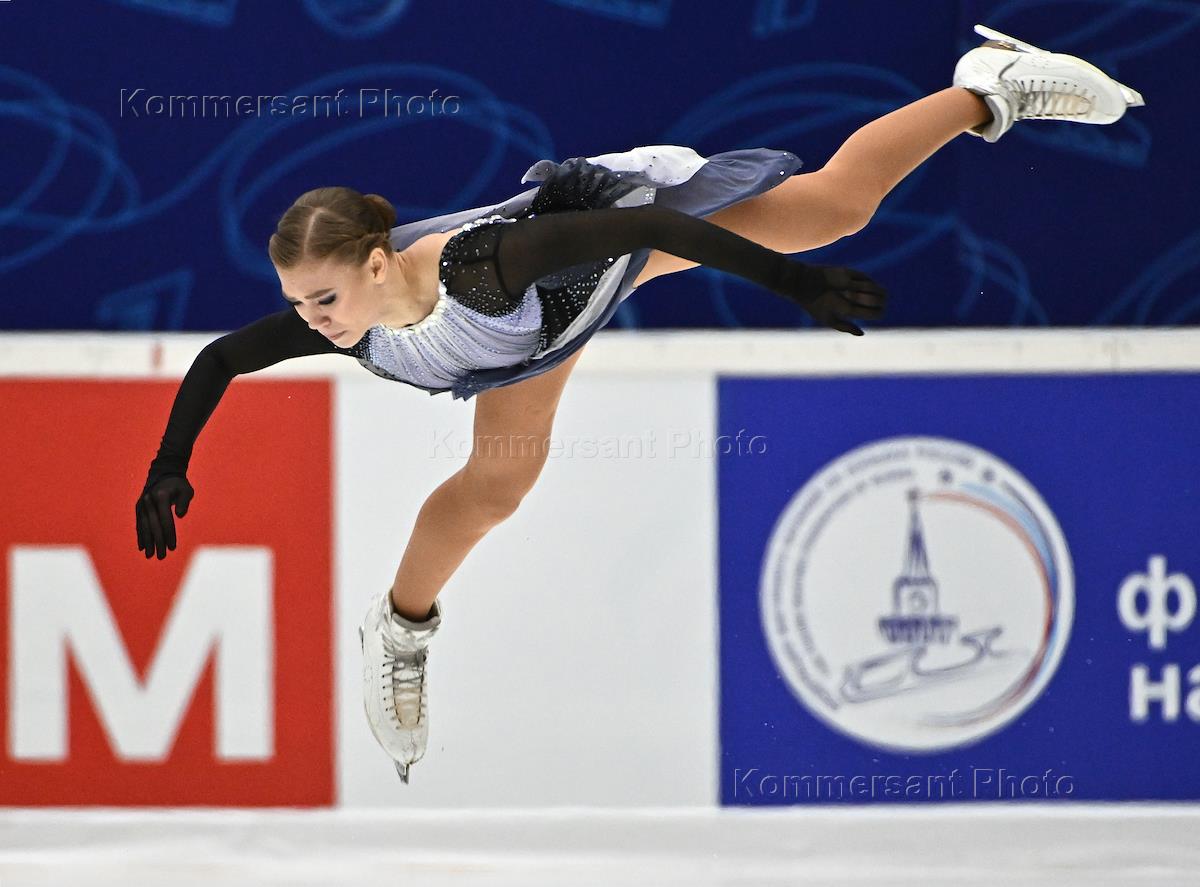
<point>991,34</point>
<point>402,769</point>
<point>1133,98</point>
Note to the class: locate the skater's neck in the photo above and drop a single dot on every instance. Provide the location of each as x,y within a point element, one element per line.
<point>411,292</point>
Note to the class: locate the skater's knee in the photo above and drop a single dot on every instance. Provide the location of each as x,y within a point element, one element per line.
<point>858,214</point>
<point>494,499</point>
<point>837,202</point>
<point>855,201</point>
<point>499,505</point>
<point>497,486</point>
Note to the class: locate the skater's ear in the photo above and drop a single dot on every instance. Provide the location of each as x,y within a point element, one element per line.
<point>377,265</point>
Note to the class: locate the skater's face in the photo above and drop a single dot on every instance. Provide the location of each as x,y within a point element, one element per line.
<point>339,301</point>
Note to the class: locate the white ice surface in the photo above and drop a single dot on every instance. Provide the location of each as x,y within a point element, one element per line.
<point>1049,844</point>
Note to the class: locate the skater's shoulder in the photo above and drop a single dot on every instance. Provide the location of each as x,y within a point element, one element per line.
<point>425,255</point>
<point>465,261</point>
<point>432,248</point>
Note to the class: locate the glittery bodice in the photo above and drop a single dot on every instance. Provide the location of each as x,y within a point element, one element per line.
<point>518,295</point>
<point>473,326</point>
<point>478,323</point>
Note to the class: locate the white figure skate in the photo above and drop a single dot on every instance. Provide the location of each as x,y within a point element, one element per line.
<point>1019,81</point>
<point>394,690</point>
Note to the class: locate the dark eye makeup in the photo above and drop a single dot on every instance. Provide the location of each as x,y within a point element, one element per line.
<point>329,300</point>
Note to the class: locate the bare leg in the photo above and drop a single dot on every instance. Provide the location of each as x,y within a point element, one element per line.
<point>877,157</point>
<point>512,431</point>
<point>814,209</point>
<point>450,523</point>
<point>805,212</point>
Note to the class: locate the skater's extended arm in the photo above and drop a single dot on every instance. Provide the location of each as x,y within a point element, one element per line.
<point>528,249</point>
<point>256,346</point>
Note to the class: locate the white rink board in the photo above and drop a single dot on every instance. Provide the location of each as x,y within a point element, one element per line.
<point>577,663</point>
<point>576,659</point>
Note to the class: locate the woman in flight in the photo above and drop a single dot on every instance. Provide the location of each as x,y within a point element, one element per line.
<point>499,301</point>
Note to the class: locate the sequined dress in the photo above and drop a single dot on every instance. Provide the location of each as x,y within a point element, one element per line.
<point>562,277</point>
<point>472,342</point>
<point>465,332</point>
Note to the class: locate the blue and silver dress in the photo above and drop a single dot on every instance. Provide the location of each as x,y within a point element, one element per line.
<point>462,350</point>
<point>562,277</point>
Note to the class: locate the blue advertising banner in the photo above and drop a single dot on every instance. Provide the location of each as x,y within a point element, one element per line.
<point>956,589</point>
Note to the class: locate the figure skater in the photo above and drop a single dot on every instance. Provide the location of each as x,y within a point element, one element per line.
<point>499,301</point>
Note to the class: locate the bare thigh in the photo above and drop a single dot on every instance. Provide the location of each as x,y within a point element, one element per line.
<point>512,430</point>
<point>523,402</point>
<point>807,211</point>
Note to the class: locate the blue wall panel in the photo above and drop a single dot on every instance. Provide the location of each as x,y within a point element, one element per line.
<point>114,219</point>
<point>959,588</point>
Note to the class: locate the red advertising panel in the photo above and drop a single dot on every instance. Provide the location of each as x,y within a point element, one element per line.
<point>203,679</point>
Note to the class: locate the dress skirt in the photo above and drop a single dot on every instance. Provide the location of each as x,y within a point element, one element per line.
<point>667,175</point>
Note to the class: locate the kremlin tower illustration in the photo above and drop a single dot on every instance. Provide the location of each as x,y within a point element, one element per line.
<point>915,618</point>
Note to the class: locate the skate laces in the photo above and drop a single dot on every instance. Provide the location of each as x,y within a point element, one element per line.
<point>1039,98</point>
<point>404,670</point>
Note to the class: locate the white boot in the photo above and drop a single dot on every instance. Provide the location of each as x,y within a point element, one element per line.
<point>394,690</point>
<point>1021,82</point>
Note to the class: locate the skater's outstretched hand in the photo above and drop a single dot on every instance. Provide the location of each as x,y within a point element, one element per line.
<point>155,526</point>
<point>832,294</point>
<point>263,343</point>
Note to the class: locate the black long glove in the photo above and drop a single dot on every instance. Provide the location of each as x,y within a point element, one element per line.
<point>261,344</point>
<point>515,254</point>
<point>155,526</point>
<point>832,294</point>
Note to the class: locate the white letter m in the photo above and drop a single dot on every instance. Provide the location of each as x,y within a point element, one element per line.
<point>223,609</point>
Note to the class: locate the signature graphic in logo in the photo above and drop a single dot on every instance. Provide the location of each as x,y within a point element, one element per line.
<point>919,632</point>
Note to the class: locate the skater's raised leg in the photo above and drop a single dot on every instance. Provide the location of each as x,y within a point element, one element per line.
<point>996,84</point>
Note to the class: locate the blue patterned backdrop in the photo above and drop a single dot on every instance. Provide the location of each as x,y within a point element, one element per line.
<point>121,214</point>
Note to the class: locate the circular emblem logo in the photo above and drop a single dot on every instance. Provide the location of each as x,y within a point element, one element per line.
<point>917,594</point>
